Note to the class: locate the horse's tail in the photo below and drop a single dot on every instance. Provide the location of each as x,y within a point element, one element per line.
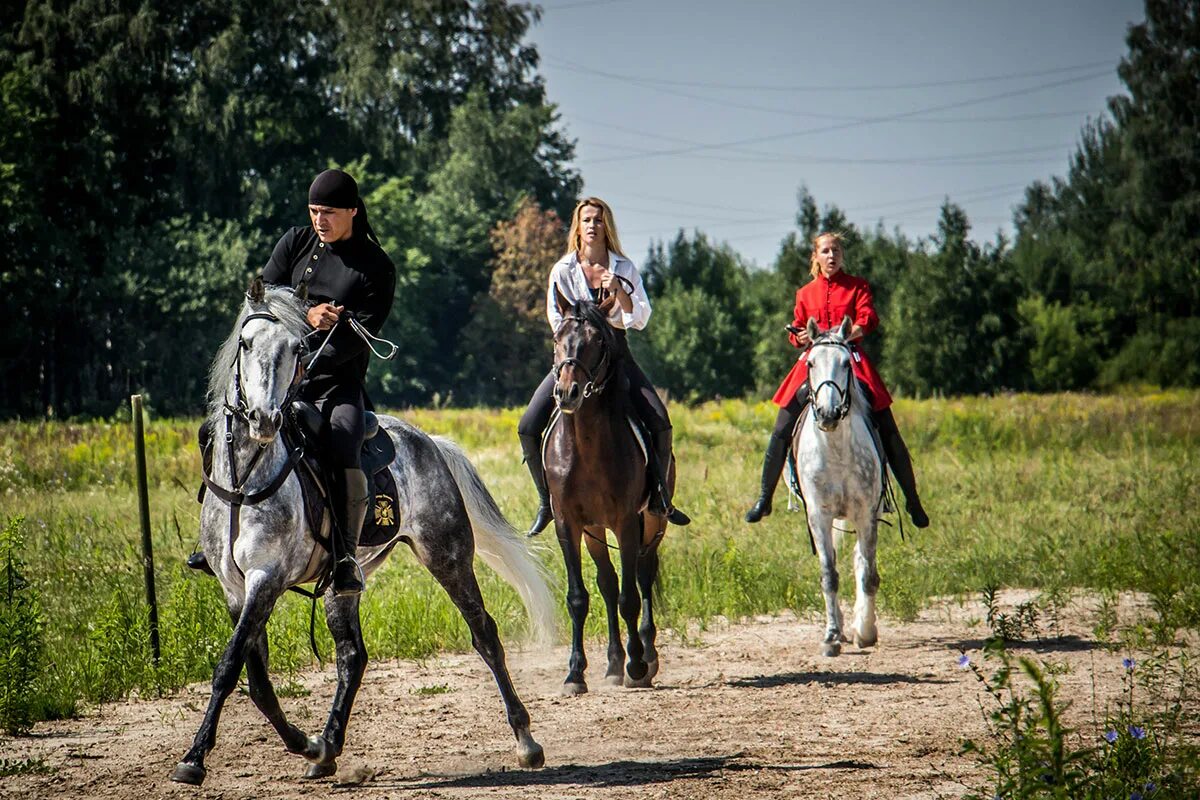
<point>501,545</point>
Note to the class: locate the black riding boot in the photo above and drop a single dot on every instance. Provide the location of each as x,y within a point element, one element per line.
<point>198,560</point>
<point>772,468</point>
<point>531,446</point>
<point>350,507</point>
<point>660,496</point>
<point>901,464</point>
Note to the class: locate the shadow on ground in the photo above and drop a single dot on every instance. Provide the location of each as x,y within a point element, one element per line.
<point>615,774</point>
<point>826,678</point>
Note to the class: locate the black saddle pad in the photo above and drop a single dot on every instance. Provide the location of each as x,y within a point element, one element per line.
<point>383,516</point>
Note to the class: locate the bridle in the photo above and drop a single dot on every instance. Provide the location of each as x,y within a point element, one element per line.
<point>239,408</point>
<point>603,366</point>
<point>843,407</point>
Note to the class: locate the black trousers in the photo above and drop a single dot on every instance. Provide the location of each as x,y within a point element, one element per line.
<point>342,430</point>
<point>646,402</point>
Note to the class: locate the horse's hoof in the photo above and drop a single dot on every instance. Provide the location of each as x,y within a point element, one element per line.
<point>651,668</point>
<point>861,641</point>
<point>188,773</point>
<point>644,682</point>
<point>315,771</point>
<point>831,649</point>
<point>318,750</point>
<point>532,757</point>
<point>614,680</point>
<point>572,689</point>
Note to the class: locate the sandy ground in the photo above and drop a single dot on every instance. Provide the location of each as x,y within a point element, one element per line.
<point>743,710</point>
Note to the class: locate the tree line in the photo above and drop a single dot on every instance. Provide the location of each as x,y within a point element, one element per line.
<point>151,152</point>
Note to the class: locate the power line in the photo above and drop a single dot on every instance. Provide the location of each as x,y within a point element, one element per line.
<point>869,121</point>
<point>850,88</point>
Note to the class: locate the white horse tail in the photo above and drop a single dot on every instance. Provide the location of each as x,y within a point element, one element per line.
<point>500,544</point>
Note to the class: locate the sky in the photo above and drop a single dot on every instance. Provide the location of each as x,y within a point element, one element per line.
<point>711,115</point>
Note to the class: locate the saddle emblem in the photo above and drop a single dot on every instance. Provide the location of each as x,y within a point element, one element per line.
<point>385,512</point>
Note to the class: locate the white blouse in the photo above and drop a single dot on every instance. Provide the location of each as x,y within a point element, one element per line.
<point>568,276</point>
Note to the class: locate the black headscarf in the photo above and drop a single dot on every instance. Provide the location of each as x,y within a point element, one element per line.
<point>336,189</point>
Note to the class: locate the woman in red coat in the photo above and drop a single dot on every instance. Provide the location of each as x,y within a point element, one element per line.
<point>831,296</point>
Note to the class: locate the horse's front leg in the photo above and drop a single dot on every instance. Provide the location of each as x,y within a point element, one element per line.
<point>577,605</point>
<point>647,575</point>
<point>867,580</point>
<point>250,621</point>
<point>606,581</point>
<point>821,524</point>
<point>341,615</point>
<point>629,535</point>
<point>262,692</point>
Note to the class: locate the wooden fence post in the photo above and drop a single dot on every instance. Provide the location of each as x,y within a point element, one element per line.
<point>139,449</point>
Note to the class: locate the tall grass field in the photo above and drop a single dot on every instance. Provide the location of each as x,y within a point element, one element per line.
<point>1052,492</point>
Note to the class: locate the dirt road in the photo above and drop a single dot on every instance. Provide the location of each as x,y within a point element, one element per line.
<point>746,710</point>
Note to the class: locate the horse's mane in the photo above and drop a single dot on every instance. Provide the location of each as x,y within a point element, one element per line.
<point>277,300</point>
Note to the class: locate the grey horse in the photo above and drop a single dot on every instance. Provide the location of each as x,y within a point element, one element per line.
<point>840,477</point>
<point>260,544</point>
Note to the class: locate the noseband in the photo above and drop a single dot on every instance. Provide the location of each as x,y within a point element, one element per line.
<point>239,407</point>
<point>603,367</point>
<point>843,407</point>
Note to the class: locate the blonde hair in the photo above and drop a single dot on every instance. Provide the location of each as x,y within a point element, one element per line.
<point>814,268</point>
<point>611,239</point>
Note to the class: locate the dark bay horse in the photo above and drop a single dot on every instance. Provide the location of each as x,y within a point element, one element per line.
<point>596,473</point>
<point>255,534</point>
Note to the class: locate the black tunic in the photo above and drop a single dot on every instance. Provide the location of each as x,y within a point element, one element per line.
<point>354,273</point>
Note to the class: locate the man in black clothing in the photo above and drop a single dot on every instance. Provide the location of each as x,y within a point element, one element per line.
<point>347,273</point>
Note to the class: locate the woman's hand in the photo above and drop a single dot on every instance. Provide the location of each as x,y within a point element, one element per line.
<point>800,335</point>
<point>323,315</point>
<point>610,283</point>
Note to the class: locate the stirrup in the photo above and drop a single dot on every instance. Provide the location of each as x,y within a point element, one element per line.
<point>347,585</point>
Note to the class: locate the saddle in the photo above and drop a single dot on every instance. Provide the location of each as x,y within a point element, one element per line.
<point>383,523</point>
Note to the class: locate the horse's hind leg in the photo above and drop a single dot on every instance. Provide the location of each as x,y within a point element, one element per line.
<point>606,580</point>
<point>456,573</point>
<point>341,615</point>
<point>867,575</point>
<point>313,748</point>
<point>630,538</point>
<point>249,621</point>
<point>646,576</point>
<point>577,607</point>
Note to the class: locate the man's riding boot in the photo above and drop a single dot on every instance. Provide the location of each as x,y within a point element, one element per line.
<point>772,468</point>
<point>198,560</point>
<point>531,447</point>
<point>350,506</point>
<point>901,464</point>
<point>660,496</point>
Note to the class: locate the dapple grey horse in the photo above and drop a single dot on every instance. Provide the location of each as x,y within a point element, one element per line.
<point>840,476</point>
<point>261,545</point>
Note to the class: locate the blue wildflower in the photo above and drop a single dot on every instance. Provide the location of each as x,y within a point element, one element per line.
<point>1135,796</point>
<point>1150,787</point>
<point>1137,732</point>
<point>1110,736</point>
<point>964,661</point>
<point>1128,663</point>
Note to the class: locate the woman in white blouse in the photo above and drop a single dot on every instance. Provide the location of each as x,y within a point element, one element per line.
<point>594,262</point>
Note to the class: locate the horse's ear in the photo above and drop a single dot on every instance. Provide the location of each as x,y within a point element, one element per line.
<point>607,303</point>
<point>845,327</point>
<point>257,290</point>
<point>563,304</point>
<point>301,292</point>
<point>813,332</point>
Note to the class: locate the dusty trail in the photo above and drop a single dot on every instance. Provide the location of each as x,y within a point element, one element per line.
<point>749,710</point>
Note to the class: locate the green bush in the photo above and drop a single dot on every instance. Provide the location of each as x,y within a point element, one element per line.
<point>21,646</point>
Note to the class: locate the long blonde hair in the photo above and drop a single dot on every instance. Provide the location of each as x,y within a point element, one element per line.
<point>814,268</point>
<point>610,226</point>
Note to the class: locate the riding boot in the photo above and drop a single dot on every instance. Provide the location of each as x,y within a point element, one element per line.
<point>901,464</point>
<point>531,446</point>
<point>772,468</point>
<point>350,507</point>
<point>198,560</point>
<point>660,495</point>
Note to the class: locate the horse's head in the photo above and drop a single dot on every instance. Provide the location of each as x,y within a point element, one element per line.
<point>265,352</point>
<point>830,374</point>
<point>583,348</point>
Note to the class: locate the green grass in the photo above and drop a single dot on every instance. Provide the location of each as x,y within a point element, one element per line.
<point>1049,492</point>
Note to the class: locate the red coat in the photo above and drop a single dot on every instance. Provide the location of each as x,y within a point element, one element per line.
<point>828,301</point>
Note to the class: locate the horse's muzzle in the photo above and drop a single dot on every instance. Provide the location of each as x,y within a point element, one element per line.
<point>264,426</point>
<point>568,400</point>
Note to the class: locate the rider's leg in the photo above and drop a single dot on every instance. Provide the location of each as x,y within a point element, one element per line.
<point>653,414</point>
<point>342,439</point>
<point>197,560</point>
<point>776,455</point>
<point>901,464</point>
<point>529,431</point>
